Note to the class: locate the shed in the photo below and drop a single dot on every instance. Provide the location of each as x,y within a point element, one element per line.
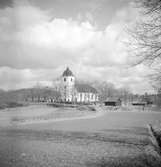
<point>113,102</point>
<point>138,103</point>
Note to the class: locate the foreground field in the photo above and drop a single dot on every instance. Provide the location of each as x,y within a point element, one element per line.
<point>113,148</point>
<point>113,139</point>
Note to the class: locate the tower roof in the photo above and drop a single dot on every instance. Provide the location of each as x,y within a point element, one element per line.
<point>67,72</point>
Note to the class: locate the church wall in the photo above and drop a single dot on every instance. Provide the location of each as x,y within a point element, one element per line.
<point>86,97</point>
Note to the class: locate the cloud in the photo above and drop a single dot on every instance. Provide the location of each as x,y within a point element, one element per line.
<point>35,46</point>
<point>6,3</point>
<point>58,33</point>
<point>13,79</point>
<point>36,41</point>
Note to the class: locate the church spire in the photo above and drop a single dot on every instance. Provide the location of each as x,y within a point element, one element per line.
<point>67,72</point>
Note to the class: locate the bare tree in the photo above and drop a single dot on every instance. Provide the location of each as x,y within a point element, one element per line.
<point>147,32</point>
<point>146,37</point>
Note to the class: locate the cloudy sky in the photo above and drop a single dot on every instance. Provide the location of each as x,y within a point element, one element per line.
<point>40,38</point>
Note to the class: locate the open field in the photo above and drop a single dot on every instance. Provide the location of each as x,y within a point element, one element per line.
<point>41,113</point>
<point>114,139</point>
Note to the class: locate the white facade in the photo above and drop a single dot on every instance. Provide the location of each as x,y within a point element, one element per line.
<point>86,97</point>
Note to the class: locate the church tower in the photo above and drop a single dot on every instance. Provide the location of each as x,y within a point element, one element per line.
<point>67,86</point>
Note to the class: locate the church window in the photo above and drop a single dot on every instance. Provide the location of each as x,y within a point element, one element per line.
<point>71,79</point>
<point>81,96</point>
<point>64,79</point>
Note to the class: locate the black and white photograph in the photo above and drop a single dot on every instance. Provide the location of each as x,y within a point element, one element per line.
<point>80,83</point>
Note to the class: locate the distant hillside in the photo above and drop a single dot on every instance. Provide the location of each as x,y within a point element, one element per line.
<point>1,90</point>
<point>20,96</point>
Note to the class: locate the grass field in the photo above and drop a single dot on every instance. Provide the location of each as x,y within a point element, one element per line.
<point>41,113</point>
<point>114,139</point>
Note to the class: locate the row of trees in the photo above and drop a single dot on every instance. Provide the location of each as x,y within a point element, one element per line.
<point>36,94</point>
<point>108,90</point>
<point>40,94</point>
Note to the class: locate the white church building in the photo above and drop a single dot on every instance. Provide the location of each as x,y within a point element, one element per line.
<point>74,92</point>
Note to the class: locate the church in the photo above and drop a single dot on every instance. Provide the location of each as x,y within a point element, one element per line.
<point>74,92</point>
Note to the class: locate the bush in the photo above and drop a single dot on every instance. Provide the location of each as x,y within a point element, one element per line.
<point>10,105</point>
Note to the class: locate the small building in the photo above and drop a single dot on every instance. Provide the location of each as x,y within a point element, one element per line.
<point>139,103</point>
<point>113,102</point>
